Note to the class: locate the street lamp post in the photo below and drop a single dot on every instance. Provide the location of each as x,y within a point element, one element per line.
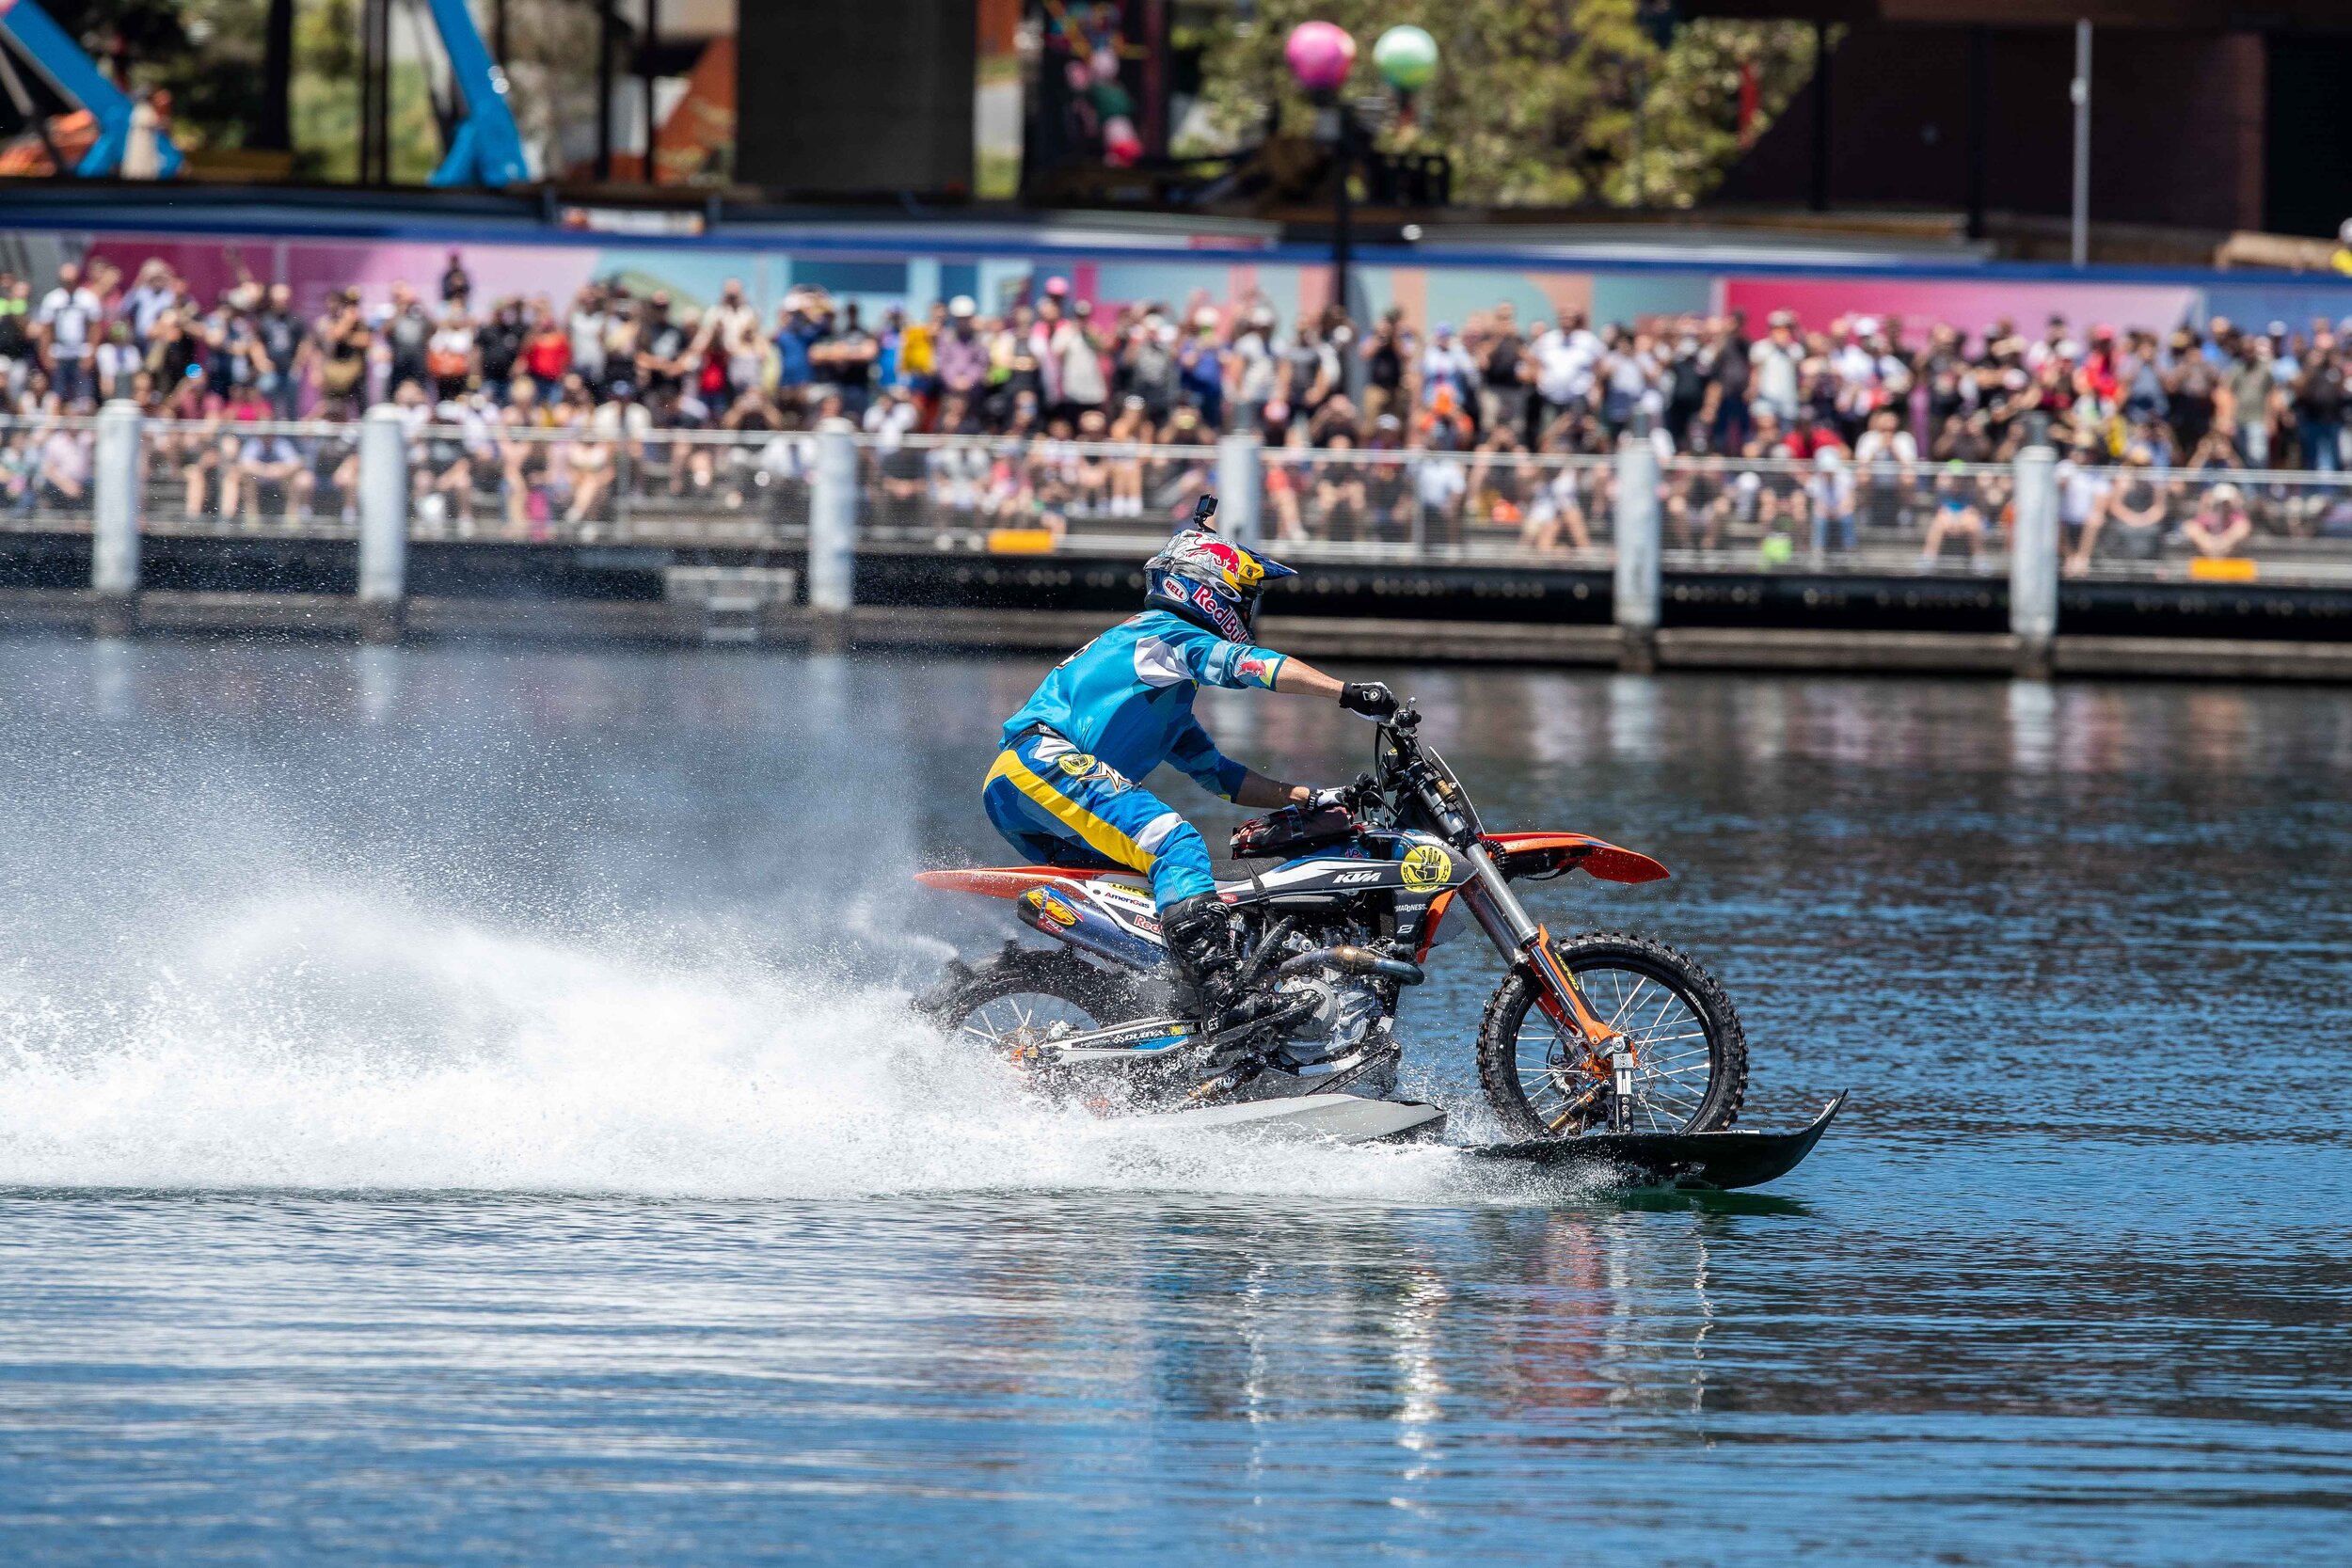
<point>1320,54</point>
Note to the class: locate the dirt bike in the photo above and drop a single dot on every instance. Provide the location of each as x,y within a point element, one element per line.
<point>1333,913</point>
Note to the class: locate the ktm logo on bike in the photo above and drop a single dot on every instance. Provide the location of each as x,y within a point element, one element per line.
<point>1426,867</point>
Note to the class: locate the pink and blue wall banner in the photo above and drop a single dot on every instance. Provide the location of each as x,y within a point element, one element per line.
<point>1971,305</point>
<point>1428,292</point>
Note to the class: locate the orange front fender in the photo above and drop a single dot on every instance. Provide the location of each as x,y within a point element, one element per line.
<point>1551,854</point>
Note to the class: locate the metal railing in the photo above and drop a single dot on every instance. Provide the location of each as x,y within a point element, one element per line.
<point>2133,524</point>
<point>1411,503</point>
<point>1397,505</point>
<point>1746,515</point>
<point>601,477</point>
<point>48,472</point>
<point>221,476</point>
<point>956,490</point>
<point>604,483</point>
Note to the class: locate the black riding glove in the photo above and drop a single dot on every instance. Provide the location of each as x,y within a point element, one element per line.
<point>1369,698</point>
<point>1341,796</point>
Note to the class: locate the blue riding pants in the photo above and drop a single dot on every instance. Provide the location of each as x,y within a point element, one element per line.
<point>1059,806</point>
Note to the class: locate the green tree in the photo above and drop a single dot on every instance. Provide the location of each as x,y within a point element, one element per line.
<point>207,54</point>
<point>1547,104</point>
<point>326,95</point>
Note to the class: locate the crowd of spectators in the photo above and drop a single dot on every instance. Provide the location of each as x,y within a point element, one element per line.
<point>535,412</point>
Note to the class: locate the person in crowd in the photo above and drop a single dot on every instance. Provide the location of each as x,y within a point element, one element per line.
<point>1887,454</point>
<point>19,348</point>
<point>1085,408</point>
<point>117,360</point>
<point>728,336</point>
<point>1388,354</point>
<point>1503,372</point>
<point>449,355</point>
<point>1252,367</point>
<point>1201,369</point>
<point>2131,526</point>
<point>1448,371</point>
<point>2221,526</point>
<point>267,466</point>
<point>2083,484</point>
<point>407,334</point>
<point>1957,514</point>
<point>584,327</point>
<point>70,322</point>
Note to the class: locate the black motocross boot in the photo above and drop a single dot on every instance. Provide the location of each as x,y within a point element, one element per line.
<point>1198,934</point>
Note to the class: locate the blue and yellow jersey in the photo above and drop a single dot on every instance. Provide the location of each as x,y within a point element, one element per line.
<point>1126,697</point>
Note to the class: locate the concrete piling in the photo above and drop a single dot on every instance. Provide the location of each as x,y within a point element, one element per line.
<point>832,533</point>
<point>115,486</point>
<point>383,523</point>
<point>2033,561</point>
<point>1638,565</point>
<point>1241,489</point>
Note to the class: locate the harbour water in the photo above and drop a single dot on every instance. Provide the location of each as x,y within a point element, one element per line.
<point>458,1106</point>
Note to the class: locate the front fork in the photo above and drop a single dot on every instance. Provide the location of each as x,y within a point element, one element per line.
<point>1522,939</point>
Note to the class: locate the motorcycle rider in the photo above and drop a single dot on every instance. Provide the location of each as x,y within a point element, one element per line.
<point>1063,791</point>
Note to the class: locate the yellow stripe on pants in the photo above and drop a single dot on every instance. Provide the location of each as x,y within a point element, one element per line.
<point>1099,834</point>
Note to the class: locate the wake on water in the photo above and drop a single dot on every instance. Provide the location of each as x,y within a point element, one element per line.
<point>338,1043</point>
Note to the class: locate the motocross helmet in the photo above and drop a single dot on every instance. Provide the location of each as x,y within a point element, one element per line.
<point>1208,580</point>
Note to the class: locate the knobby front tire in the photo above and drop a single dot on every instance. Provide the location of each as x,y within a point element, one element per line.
<point>1690,1071</point>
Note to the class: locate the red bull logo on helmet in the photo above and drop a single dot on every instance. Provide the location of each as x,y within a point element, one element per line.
<point>1240,568</point>
<point>1205,599</point>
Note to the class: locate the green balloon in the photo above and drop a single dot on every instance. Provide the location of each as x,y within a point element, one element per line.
<point>1407,57</point>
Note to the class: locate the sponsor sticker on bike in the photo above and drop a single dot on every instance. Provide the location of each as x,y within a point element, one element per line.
<point>1426,867</point>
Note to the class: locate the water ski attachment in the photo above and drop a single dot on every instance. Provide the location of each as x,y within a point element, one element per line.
<point>1342,1118</point>
<point>1718,1159</point>
<point>1722,1160</point>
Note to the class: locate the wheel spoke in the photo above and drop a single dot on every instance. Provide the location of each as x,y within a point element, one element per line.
<point>1019,1018</point>
<point>1652,1014</point>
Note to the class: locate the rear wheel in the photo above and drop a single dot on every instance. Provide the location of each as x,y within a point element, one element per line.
<point>1691,1057</point>
<point>1018,1001</point>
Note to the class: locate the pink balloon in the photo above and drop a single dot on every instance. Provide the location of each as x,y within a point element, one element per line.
<point>1320,54</point>
<point>1121,145</point>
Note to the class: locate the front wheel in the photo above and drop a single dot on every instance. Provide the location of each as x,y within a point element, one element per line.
<point>1691,1058</point>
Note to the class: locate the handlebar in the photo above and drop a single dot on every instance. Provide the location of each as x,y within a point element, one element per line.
<point>1405,767</point>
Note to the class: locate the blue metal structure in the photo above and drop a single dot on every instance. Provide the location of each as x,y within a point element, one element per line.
<point>486,148</point>
<point>55,55</point>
